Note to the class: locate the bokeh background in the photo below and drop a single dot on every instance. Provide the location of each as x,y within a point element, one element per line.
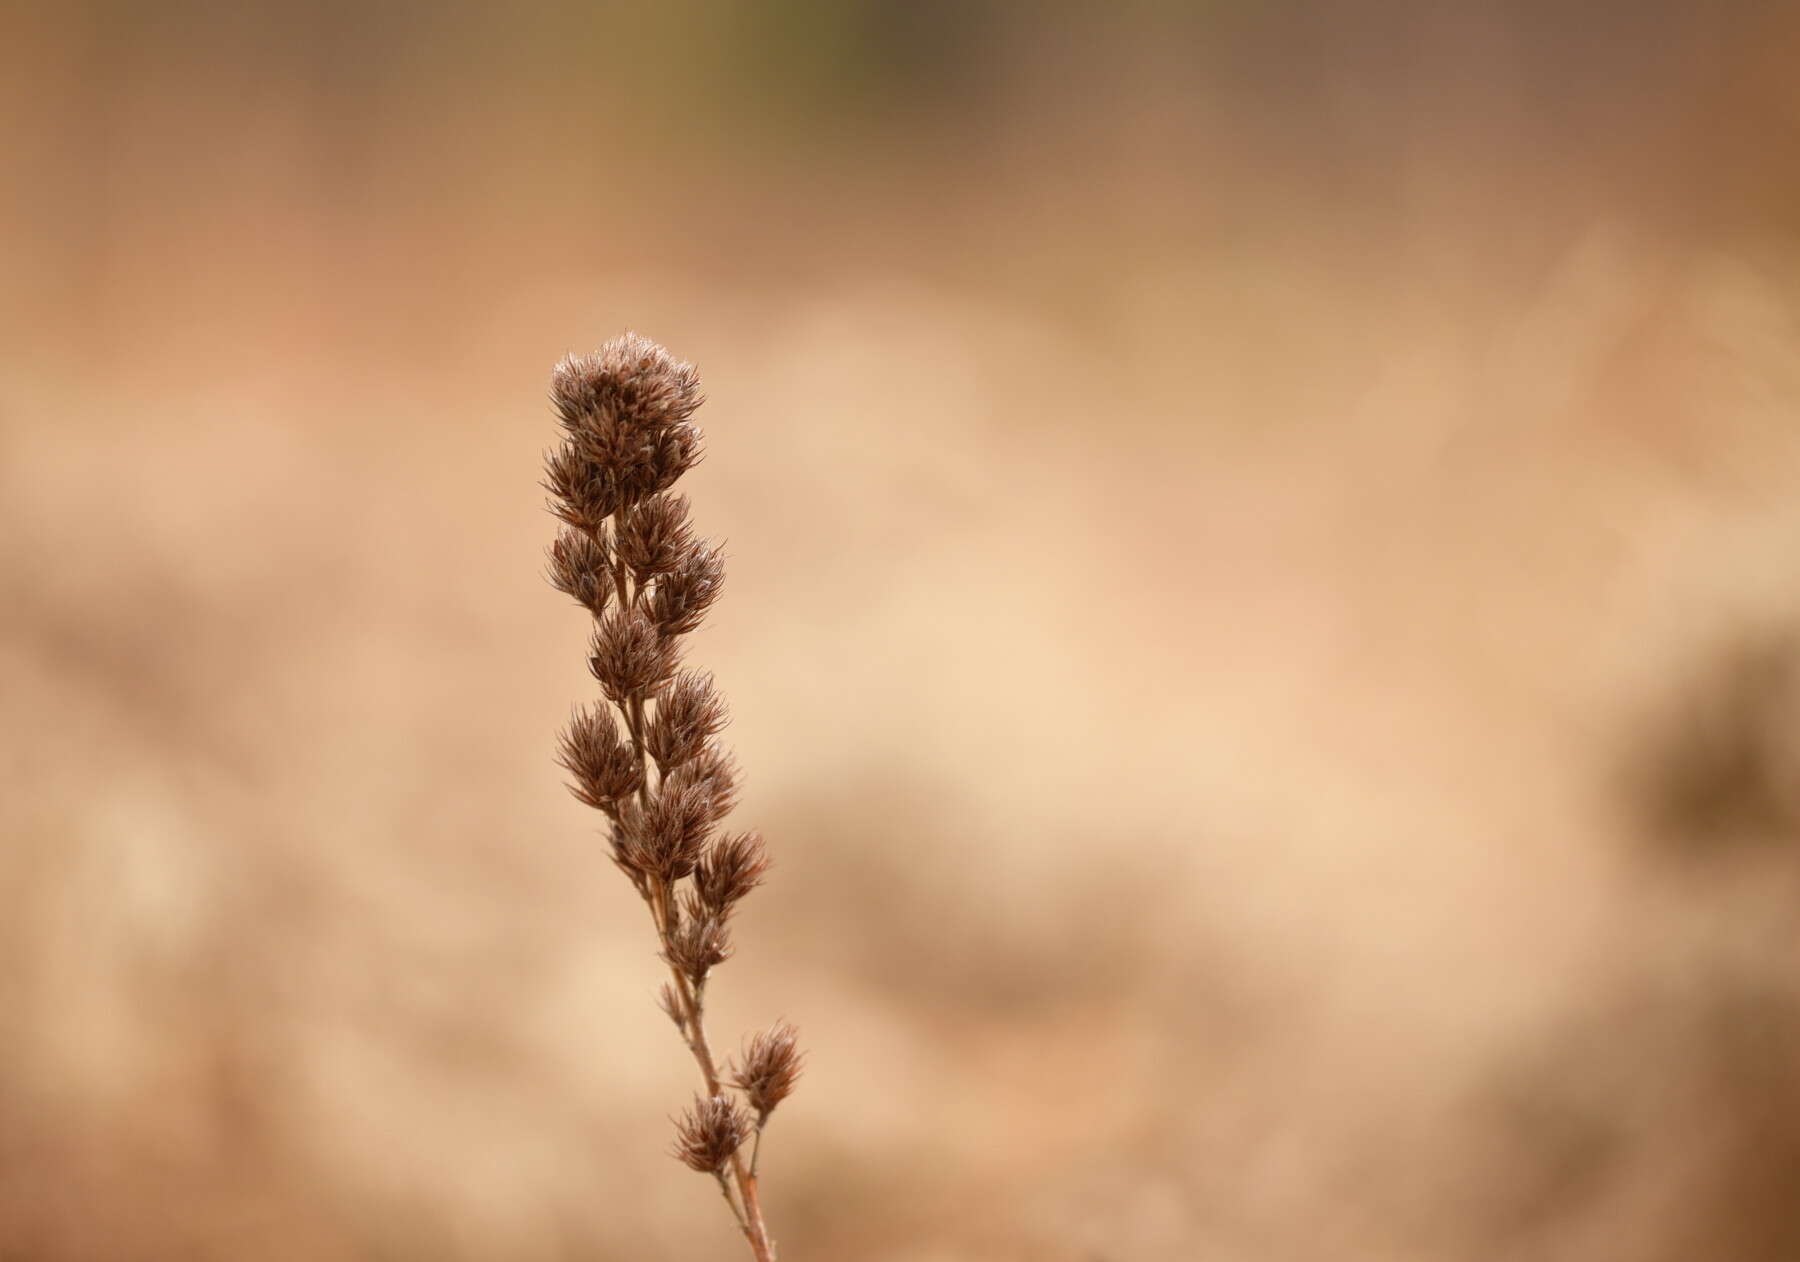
<point>1263,619</point>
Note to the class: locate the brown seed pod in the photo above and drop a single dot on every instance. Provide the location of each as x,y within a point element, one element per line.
<point>628,655</point>
<point>654,536</point>
<point>578,568</point>
<point>712,772</point>
<point>679,600</point>
<point>626,410</point>
<point>689,713</point>
<point>768,1068</point>
<point>629,379</point>
<point>583,491</point>
<point>700,941</point>
<point>666,838</point>
<point>675,451</point>
<point>731,867</point>
<point>709,1133</point>
<point>604,766</point>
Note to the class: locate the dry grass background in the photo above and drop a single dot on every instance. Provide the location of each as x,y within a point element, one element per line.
<point>1261,623</point>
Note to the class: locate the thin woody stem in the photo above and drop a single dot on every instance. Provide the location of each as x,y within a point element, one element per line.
<point>725,1191</point>
<point>759,1239</point>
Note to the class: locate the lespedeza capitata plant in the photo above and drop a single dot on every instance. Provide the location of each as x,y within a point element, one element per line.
<point>647,757</point>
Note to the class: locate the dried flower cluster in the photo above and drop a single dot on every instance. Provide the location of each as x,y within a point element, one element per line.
<point>647,757</point>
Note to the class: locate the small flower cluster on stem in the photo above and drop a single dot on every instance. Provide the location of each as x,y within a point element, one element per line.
<point>647,756</point>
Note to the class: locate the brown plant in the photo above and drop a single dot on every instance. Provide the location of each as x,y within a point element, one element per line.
<point>627,554</point>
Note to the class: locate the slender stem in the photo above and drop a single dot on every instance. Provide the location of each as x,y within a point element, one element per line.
<point>759,1240</point>
<point>725,1191</point>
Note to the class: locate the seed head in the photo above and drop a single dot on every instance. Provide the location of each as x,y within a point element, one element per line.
<point>712,772</point>
<point>731,867</point>
<point>700,941</point>
<point>709,1132</point>
<point>666,838</point>
<point>629,379</point>
<point>628,555</point>
<point>689,713</point>
<point>679,600</point>
<point>628,655</point>
<point>654,536</point>
<point>583,491</point>
<point>768,1068</point>
<point>625,411</point>
<point>602,763</point>
<point>578,568</point>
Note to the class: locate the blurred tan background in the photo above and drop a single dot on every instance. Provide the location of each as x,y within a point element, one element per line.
<point>1264,625</point>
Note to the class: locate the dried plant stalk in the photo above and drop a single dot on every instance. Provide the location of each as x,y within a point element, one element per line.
<point>647,757</point>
